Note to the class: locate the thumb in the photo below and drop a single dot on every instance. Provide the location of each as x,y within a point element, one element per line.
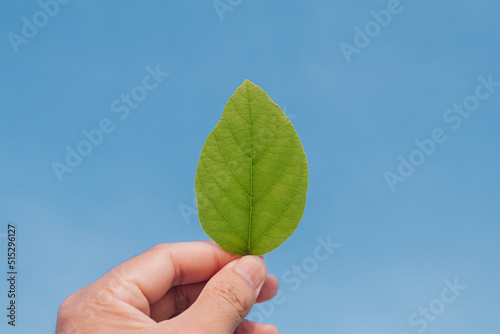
<point>227,297</point>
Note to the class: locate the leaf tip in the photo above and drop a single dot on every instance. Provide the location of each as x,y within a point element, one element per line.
<point>248,83</point>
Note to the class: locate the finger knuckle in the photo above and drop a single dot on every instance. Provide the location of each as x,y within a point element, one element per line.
<point>72,310</point>
<point>231,294</point>
<point>66,306</point>
<point>159,247</point>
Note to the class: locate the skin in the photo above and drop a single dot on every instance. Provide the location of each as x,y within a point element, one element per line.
<point>191,287</point>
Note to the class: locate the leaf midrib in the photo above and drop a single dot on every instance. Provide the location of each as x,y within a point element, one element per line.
<point>251,171</point>
<point>250,157</point>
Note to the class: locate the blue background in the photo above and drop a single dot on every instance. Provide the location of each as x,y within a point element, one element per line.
<point>355,119</point>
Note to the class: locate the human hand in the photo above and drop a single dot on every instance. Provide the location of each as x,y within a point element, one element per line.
<point>191,287</point>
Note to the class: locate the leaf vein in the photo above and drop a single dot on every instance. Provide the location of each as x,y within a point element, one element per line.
<point>232,134</point>
<point>220,214</point>
<point>287,207</point>
<point>210,174</point>
<point>279,178</point>
<point>227,166</point>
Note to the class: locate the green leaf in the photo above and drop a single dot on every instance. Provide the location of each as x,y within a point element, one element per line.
<point>251,181</point>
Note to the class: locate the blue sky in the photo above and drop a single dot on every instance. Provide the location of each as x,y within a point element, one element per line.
<point>398,247</point>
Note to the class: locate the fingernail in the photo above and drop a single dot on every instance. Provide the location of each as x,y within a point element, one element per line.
<point>252,269</point>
